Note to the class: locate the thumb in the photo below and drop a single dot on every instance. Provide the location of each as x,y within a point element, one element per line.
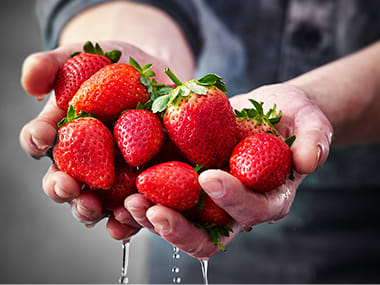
<point>313,138</point>
<point>39,69</point>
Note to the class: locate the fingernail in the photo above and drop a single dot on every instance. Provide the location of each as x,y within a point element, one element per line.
<point>319,155</point>
<point>122,216</point>
<point>214,188</point>
<point>37,144</point>
<point>84,211</point>
<point>161,226</point>
<point>60,192</point>
<point>130,207</point>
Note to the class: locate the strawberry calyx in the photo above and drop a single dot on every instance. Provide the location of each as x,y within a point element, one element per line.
<point>215,232</point>
<point>73,115</point>
<point>289,141</point>
<point>257,114</point>
<point>154,88</point>
<point>184,90</point>
<point>88,47</point>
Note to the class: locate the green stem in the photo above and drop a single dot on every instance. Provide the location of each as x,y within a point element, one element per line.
<point>172,76</point>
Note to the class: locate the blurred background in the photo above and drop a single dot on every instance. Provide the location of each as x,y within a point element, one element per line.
<point>40,241</point>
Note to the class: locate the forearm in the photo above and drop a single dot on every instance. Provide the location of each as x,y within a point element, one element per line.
<point>348,92</point>
<point>144,26</point>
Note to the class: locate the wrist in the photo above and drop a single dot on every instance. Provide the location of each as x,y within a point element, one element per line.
<point>143,26</point>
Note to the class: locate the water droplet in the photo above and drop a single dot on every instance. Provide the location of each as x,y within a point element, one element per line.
<point>176,256</point>
<point>124,265</point>
<point>177,280</point>
<point>175,269</point>
<point>204,267</point>
<point>175,249</point>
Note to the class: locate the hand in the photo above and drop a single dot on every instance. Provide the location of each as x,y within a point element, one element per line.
<point>302,118</point>
<point>37,136</point>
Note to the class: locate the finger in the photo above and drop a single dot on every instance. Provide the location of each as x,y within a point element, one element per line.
<point>313,138</point>
<point>120,231</point>
<point>137,205</point>
<point>37,136</point>
<point>124,217</point>
<point>244,205</point>
<point>39,69</point>
<point>87,207</point>
<point>176,229</point>
<point>60,186</point>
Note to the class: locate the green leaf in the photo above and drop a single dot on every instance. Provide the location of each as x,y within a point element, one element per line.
<point>158,85</point>
<point>198,167</point>
<point>149,73</point>
<point>89,47</point>
<point>113,55</point>
<point>139,106</point>
<point>72,115</point>
<point>195,87</point>
<point>148,105</point>
<point>290,140</point>
<point>75,53</point>
<point>160,104</point>
<point>134,63</point>
<point>175,94</point>
<point>146,67</point>
<point>291,174</point>
<point>276,119</point>
<point>145,81</point>
<point>164,90</point>
<point>213,80</point>
<point>98,49</point>
<point>258,106</point>
<point>201,201</point>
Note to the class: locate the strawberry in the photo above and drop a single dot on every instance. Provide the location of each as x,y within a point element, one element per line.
<point>199,120</point>
<point>173,184</point>
<point>254,121</point>
<point>207,212</point>
<point>262,161</point>
<point>139,136</point>
<point>209,216</point>
<point>168,152</point>
<point>113,89</point>
<point>85,150</point>
<point>78,69</point>
<point>123,186</point>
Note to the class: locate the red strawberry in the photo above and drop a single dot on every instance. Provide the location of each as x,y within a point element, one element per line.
<point>85,150</point>
<point>173,184</point>
<point>209,216</point>
<point>139,136</point>
<point>199,120</point>
<point>123,186</point>
<point>168,152</point>
<point>254,121</point>
<point>79,68</point>
<point>113,89</point>
<point>262,161</point>
<point>206,212</point>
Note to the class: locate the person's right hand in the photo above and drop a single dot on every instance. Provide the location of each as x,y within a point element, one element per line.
<point>38,135</point>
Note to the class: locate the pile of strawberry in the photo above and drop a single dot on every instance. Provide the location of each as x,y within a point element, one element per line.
<point>126,133</point>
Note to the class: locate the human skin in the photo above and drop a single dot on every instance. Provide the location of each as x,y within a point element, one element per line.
<point>341,98</point>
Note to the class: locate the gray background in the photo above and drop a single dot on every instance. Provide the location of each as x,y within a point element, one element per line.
<point>40,241</point>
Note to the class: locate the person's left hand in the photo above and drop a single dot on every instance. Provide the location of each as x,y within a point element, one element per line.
<point>302,118</point>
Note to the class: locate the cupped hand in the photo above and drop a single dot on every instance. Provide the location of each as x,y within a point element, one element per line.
<point>300,117</point>
<point>38,135</point>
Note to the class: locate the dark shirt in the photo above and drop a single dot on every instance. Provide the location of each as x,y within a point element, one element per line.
<point>331,234</point>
